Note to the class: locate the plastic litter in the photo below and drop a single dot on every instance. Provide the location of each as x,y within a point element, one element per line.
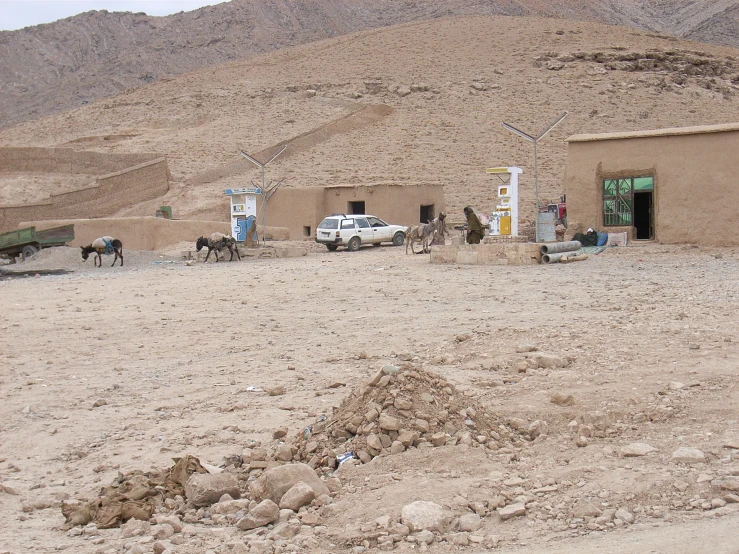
<point>307,432</point>
<point>253,389</point>
<point>341,458</point>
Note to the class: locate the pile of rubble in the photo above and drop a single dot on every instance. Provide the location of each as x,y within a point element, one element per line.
<point>399,408</point>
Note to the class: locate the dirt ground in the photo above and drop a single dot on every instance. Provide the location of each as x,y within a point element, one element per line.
<point>644,338</point>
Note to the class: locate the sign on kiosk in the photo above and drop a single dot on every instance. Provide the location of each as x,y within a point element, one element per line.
<point>243,212</point>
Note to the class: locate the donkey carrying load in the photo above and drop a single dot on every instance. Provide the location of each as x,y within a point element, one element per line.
<point>424,233</point>
<point>218,241</point>
<point>103,245</point>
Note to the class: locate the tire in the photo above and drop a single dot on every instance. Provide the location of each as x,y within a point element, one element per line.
<point>29,251</point>
<point>332,247</point>
<point>354,244</point>
<point>399,238</point>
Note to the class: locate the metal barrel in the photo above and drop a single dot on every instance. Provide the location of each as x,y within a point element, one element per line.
<point>545,227</point>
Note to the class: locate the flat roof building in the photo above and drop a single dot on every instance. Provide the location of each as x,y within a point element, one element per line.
<point>677,185</point>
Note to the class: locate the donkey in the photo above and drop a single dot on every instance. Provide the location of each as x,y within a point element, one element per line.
<point>103,245</point>
<point>217,241</point>
<point>424,233</point>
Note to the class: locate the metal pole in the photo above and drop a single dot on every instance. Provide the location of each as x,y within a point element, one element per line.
<point>536,189</point>
<point>264,213</point>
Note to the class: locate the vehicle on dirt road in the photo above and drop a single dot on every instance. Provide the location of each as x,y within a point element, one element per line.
<point>28,241</point>
<point>352,231</point>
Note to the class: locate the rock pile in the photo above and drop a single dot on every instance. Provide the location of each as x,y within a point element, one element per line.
<point>399,408</point>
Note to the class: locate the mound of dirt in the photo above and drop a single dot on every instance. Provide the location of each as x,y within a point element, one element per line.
<point>398,409</point>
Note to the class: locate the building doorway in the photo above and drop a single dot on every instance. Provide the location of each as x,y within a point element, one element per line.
<point>356,208</point>
<point>427,213</point>
<point>643,215</point>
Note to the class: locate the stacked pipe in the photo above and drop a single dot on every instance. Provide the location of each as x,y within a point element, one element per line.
<point>561,252</point>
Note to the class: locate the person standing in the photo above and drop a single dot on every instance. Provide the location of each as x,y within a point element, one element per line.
<point>475,230</point>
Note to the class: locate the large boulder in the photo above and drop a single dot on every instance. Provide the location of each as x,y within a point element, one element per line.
<point>275,482</point>
<point>204,489</point>
<point>420,515</point>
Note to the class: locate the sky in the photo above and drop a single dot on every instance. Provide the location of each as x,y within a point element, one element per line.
<point>16,14</point>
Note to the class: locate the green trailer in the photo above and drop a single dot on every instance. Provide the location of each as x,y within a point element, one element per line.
<point>26,242</point>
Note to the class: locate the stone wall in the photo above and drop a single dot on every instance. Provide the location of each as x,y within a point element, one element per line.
<point>504,253</point>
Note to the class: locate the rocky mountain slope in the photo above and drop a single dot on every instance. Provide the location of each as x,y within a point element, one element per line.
<point>55,67</point>
<point>426,100</point>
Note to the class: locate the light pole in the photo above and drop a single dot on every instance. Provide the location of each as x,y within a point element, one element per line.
<point>263,191</point>
<point>534,140</point>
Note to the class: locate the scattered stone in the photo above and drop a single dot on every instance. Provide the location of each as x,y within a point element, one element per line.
<point>421,515</point>
<point>425,537</point>
<point>682,486</point>
<point>546,361</point>
<point>388,423</point>
<point>637,449</point>
<point>264,513</point>
<point>7,489</point>
<point>538,428</point>
<point>100,402</point>
<point>275,391</point>
<point>397,447</point>
<point>163,531</point>
<point>731,442</point>
<point>173,521</point>
<point>284,453</point>
<point>598,420</point>
<point>134,528</point>
<point>279,433</point>
<point>521,348</point>
<point>275,482</point>
<point>299,495</point>
<point>470,522</point>
<point>726,484</point>
<point>625,516</point>
<point>512,510</point>
<point>561,399</point>
<point>581,442</point>
<point>676,385</point>
<point>204,489</point>
<point>585,508</point>
<point>688,455</point>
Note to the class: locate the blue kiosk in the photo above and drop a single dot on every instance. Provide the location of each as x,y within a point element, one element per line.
<point>244,213</point>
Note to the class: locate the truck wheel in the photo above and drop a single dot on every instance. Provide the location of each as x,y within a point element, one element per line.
<point>354,244</point>
<point>29,251</point>
<point>399,238</point>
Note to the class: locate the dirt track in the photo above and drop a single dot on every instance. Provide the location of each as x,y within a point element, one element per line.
<point>173,349</point>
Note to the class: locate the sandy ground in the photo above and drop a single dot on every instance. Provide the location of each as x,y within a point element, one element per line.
<point>173,350</point>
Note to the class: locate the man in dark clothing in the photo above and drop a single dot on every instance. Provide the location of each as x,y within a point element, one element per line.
<point>588,239</point>
<point>475,230</point>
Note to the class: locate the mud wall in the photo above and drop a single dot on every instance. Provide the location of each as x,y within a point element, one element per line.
<point>695,172</point>
<point>113,191</point>
<point>396,204</point>
<point>137,233</point>
<point>300,209</point>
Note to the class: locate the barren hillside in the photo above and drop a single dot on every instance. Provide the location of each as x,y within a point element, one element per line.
<point>448,84</point>
<point>51,68</point>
